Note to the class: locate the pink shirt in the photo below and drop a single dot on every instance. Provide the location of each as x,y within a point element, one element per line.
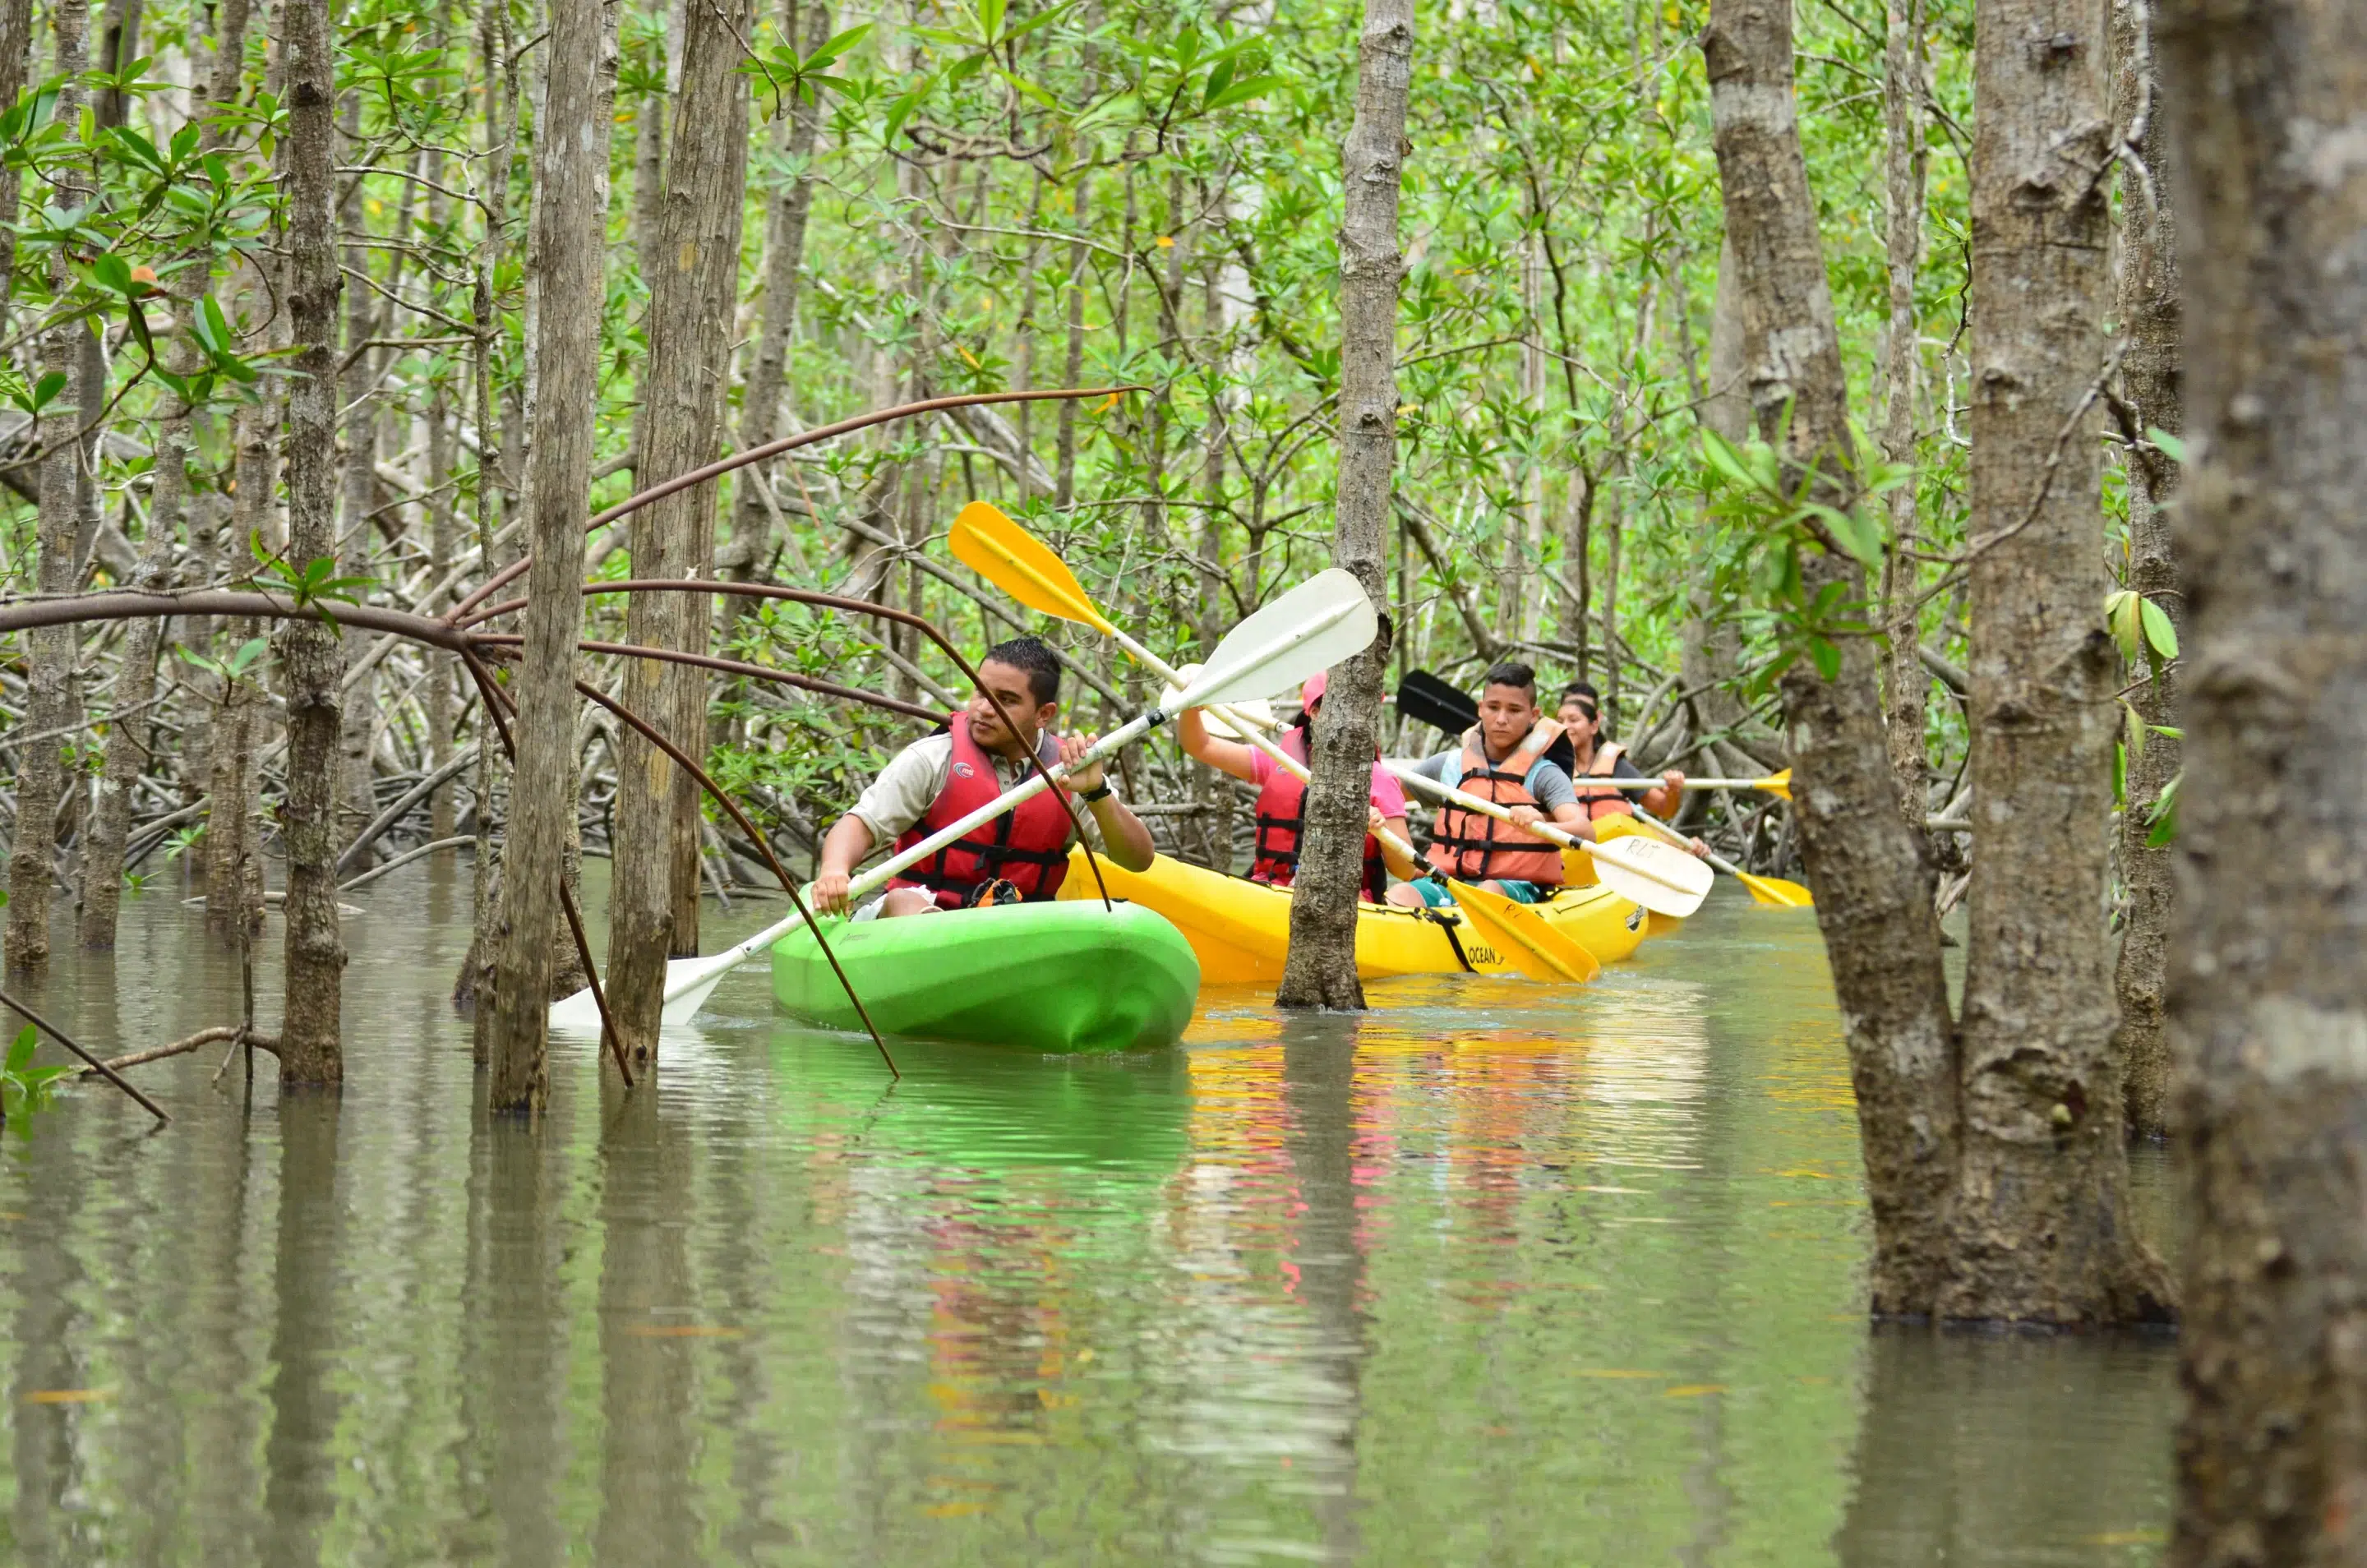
<point>1388,793</point>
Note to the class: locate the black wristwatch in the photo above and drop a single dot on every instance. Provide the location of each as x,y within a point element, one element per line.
<point>1099,792</point>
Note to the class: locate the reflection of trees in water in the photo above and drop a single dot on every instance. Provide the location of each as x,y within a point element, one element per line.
<point>513,1361</point>
<point>1327,1254</point>
<point>646,1501</point>
<point>1260,1392</point>
<point>1978,1448</point>
<point>47,1280</point>
<point>214,1316</point>
<point>301,1497</point>
<point>738,1269</point>
<point>1003,1281</point>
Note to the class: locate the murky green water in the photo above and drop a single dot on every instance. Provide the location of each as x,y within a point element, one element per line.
<point>1496,1275</point>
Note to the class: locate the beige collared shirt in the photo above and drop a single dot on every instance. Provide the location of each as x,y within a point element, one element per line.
<point>916,777</point>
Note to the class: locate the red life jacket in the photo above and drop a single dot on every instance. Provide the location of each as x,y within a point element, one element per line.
<point>1028,846</point>
<point>1601,800</point>
<point>1472,847</point>
<point>1282,818</point>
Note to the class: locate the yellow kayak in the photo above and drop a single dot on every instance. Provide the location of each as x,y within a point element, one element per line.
<point>1239,929</point>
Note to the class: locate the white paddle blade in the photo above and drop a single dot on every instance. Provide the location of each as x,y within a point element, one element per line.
<point>682,1008</point>
<point>1322,621</point>
<point>689,981</point>
<point>578,1014</point>
<point>1662,878</point>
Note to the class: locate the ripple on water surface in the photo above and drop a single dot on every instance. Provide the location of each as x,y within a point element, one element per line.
<point>1494,1273</point>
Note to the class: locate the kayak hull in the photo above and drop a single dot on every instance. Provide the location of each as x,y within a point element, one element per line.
<point>1239,931</point>
<point>1041,978</point>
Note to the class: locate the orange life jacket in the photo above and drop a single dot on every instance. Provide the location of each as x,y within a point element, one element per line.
<point>1281,819</point>
<point>1028,846</point>
<point>1602,800</point>
<point>1473,847</point>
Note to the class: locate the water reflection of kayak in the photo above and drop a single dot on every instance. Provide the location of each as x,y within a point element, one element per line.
<point>1241,930</point>
<point>958,1106</point>
<point>1058,976</point>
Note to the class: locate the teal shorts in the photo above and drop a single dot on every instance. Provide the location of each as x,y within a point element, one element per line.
<point>1435,893</point>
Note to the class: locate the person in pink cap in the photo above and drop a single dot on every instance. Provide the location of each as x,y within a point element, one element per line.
<point>1281,796</point>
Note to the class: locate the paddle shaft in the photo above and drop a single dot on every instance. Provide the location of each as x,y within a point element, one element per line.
<point>1593,781</point>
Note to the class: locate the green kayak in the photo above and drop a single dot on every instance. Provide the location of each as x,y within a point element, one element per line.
<point>1052,977</point>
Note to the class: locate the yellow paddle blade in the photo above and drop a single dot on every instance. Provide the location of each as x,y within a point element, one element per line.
<point>1524,937</point>
<point>1777,784</point>
<point>1022,565</point>
<point>1776,893</point>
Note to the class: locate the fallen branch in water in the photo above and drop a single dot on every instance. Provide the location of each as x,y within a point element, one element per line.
<point>177,1048</point>
<point>405,858</point>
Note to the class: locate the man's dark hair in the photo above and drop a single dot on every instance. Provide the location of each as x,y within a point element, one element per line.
<point>1035,656</point>
<point>1511,672</point>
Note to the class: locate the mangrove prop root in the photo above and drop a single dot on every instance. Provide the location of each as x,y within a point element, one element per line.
<point>716,469</point>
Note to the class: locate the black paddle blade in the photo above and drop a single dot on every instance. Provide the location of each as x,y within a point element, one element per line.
<point>1425,699</point>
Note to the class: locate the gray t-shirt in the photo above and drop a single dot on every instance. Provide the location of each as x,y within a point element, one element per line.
<point>1624,767</point>
<point>1547,783</point>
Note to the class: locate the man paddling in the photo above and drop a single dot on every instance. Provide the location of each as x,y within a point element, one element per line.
<point>1023,855</point>
<point>1492,764</point>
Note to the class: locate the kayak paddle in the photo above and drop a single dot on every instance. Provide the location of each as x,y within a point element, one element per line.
<point>1323,620</point>
<point>1523,935</point>
<point>1665,880</point>
<point>986,540</point>
<point>1426,699</point>
<point>1775,892</point>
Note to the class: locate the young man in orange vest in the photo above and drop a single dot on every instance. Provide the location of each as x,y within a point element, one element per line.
<point>1492,763</point>
<point>1021,855</point>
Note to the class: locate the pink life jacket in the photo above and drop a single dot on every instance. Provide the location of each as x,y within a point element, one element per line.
<point>1281,819</point>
